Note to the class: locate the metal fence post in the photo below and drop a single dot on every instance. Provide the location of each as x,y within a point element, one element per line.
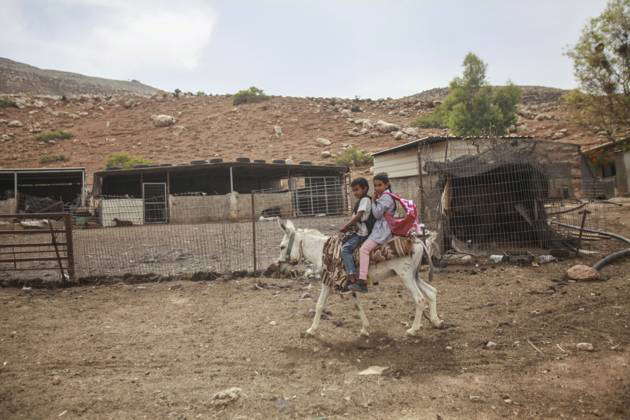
<point>67,218</point>
<point>254,230</point>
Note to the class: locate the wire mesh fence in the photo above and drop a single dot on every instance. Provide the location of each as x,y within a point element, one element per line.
<point>499,193</point>
<point>170,235</point>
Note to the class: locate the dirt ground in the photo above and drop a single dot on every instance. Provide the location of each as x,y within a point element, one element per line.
<point>162,350</point>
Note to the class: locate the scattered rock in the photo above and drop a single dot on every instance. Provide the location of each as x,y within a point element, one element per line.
<point>356,108</point>
<point>225,397</point>
<point>163,120</point>
<point>544,259</point>
<point>374,370</point>
<point>584,346</point>
<point>273,323</point>
<point>306,295</point>
<point>386,127</point>
<point>582,272</point>
<point>399,135</point>
<point>410,131</point>
<point>15,123</point>
<point>56,380</point>
<point>495,259</point>
<point>345,112</point>
<point>323,141</point>
<point>326,154</point>
<point>277,130</point>
<point>559,134</point>
<point>490,345</point>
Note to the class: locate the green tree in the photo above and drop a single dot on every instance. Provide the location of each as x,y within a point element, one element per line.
<point>601,64</point>
<point>473,107</point>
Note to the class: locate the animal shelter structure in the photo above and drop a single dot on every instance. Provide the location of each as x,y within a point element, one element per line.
<point>41,190</point>
<point>486,191</point>
<point>216,191</point>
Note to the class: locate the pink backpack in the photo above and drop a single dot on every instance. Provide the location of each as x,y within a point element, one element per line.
<point>403,226</point>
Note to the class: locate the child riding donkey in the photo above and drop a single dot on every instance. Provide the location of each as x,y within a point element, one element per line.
<point>380,233</point>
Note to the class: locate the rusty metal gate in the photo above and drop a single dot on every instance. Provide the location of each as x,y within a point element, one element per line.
<point>37,243</point>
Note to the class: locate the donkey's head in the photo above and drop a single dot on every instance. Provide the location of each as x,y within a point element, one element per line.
<point>289,247</point>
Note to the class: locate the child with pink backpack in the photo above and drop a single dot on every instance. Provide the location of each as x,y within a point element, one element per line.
<point>383,209</point>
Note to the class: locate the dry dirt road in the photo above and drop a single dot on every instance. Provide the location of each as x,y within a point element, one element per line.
<point>162,350</point>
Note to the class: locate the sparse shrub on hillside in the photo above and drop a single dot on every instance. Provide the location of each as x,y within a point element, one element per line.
<point>54,135</point>
<point>52,158</point>
<point>354,156</point>
<point>251,95</point>
<point>7,103</point>
<point>434,119</point>
<point>201,93</point>
<point>177,92</point>
<point>125,160</point>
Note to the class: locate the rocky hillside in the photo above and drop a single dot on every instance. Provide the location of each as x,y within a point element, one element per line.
<point>21,78</point>
<point>203,127</point>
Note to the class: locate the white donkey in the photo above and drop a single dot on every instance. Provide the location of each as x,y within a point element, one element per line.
<point>308,244</point>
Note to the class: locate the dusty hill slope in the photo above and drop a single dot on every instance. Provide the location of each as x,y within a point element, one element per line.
<point>211,126</point>
<point>21,78</point>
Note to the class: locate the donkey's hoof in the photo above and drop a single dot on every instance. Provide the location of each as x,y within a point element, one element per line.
<point>309,333</point>
<point>412,332</point>
<point>439,324</point>
<point>364,333</point>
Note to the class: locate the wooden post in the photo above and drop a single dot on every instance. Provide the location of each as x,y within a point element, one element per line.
<point>54,242</point>
<point>254,231</point>
<point>231,179</point>
<point>577,248</point>
<point>15,192</point>
<point>420,186</point>
<point>69,246</point>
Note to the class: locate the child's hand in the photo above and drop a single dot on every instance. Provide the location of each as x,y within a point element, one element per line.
<point>344,229</point>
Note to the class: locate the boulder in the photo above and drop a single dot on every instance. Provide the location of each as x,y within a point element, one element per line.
<point>386,127</point>
<point>399,135</point>
<point>410,131</point>
<point>582,272</point>
<point>163,120</point>
<point>326,154</point>
<point>225,397</point>
<point>277,130</point>
<point>585,346</point>
<point>15,123</point>
<point>323,141</point>
<point>560,134</point>
<point>346,112</point>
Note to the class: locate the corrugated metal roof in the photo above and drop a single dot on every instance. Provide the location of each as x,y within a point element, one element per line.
<point>436,139</point>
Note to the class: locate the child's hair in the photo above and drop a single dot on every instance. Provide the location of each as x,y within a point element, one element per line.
<point>384,178</point>
<point>361,182</point>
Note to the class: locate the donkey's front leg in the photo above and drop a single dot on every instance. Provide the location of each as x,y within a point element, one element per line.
<point>319,308</point>
<point>418,299</point>
<point>365,324</point>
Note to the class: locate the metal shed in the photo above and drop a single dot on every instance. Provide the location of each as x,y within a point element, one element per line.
<point>41,190</point>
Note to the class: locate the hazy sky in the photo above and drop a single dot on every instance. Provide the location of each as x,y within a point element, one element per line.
<point>370,48</point>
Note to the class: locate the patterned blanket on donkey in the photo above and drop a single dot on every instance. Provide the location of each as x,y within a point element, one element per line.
<point>334,273</point>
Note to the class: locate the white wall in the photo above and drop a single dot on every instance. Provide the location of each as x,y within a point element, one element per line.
<point>398,164</point>
<point>130,209</point>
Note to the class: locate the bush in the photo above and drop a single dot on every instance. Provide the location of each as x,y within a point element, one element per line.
<point>353,156</point>
<point>53,158</point>
<point>433,120</point>
<point>54,135</point>
<point>201,93</point>
<point>7,103</point>
<point>125,160</point>
<point>251,95</point>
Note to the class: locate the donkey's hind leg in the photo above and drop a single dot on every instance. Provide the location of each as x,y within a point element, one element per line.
<point>430,293</point>
<point>319,308</point>
<point>365,324</point>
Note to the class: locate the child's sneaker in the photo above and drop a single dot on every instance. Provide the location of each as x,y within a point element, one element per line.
<point>360,286</point>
